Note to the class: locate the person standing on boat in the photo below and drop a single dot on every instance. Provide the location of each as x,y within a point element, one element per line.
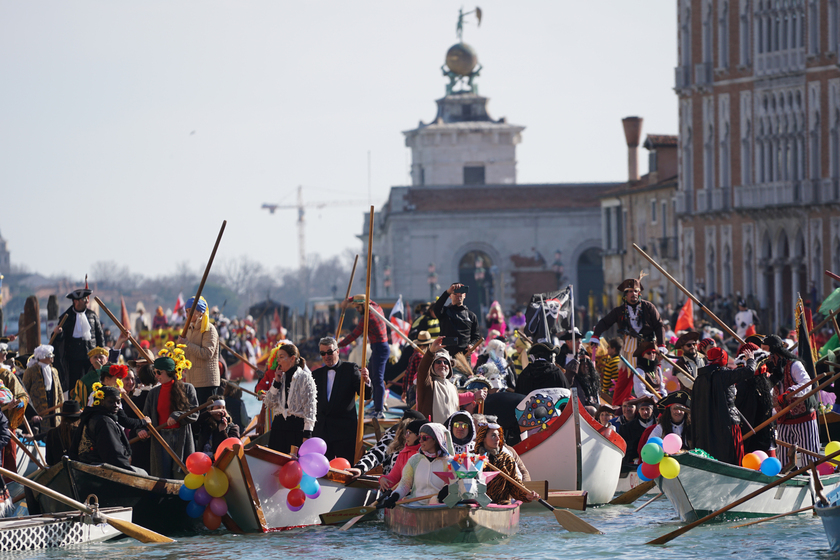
<point>691,360</point>
<point>462,429</point>
<point>799,426</point>
<point>490,442</point>
<point>337,384</point>
<point>41,381</point>
<point>633,430</point>
<point>637,320</point>
<point>457,323</point>
<point>293,401</point>
<point>7,507</point>
<point>754,398</point>
<point>717,424</point>
<point>580,370</point>
<point>202,350</point>
<point>418,476</point>
<point>437,396</point>
<point>648,368</point>
<point>80,333</point>
<point>380,350</point>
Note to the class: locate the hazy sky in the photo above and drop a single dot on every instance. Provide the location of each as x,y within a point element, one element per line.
<point>129,131</point>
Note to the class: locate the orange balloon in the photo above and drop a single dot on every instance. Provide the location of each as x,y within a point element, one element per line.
<point>211,520</point>
<point>672,385</point>
<point>340,463</point>
<point>751,461</point>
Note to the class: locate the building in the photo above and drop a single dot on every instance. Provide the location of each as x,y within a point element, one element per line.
<point>5,260</point>
<point>759,150</point>
<point>642,211</point>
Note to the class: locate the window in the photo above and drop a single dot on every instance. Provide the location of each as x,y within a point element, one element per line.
<point>474,175</point>
<point>664,219</point>
<point>744,33</point>
<point>422,175</point>
<point>723,34</point>
<point>652,164</point>
<point>813,27</point>
<point>653,211</point>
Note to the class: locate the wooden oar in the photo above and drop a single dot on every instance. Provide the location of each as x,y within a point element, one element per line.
<point>633,494</point>
<point>142,351</point>
<point>55,333</point>
<point>682,530</point>
<point>125,527</point>
<point>190,411</point>
<point>774,517</point>
<point>347,295</point>
<point>41,464</point>
<point>203,280</point>
<point>360,426</point>
<point>642,377</point>
<point>647,503</point>
<point>569,521</point>
<point>394,328</point>
<point>242,359</point>
<point>157,436</point>
<point>240,387</point>
<point>362,511</point>
<point>797,448</point>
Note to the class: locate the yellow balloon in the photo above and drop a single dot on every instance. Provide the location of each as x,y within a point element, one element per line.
<point>216,483</point>
<point>669,467</point>
<point>193,481</point>
<point>832,447</point>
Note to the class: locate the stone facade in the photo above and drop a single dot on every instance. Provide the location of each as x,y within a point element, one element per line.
<point>5,260</point>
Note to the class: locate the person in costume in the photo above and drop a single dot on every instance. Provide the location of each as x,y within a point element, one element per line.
<point>490,442</point>
<point>637,320</point>
<point>462,430</point>
<point>580,370</point>
<point>81,333</point>
<point>606,413</point>
<point>437,396</point>
<point>169,403</point>
<point>293,401</point>
<point>647,366</point>
<point>60,440</point>
<point>609,366</point>
<point>691,360</point>
<point>20,400</point>
<point>423,341</point>
<point>633,430</point>
<point>215,425</point>
<point>43,385</point>
<point>83,387</point>
<point>541,372</point>
<point>674,417</point>
<point>7,507</point>
<point>405,445</point>
<point>99,438</point>
<point>418,476</point>
<point>480,387</point>
<point>754,398</point>
<point>717,423</point>
<point>380,453</point>
<point>788,374</point>
<point>746,319</point>
<point>202,350</point>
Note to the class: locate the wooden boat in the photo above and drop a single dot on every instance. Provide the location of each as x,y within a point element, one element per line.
<point>257,501</point>
<point>574,452</point>
<point>155,501</point>
<point>628,479</point>
<point>705,485</point>
<point>464,523</point>
<point>25,466</point>
<point>36,532</point>
<point>830,516</point>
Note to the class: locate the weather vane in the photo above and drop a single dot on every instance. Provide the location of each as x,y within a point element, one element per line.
<point>461,66</point>
<point>459,29</point>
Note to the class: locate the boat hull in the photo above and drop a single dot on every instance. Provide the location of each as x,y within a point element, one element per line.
<point>38,532</point>
<point>459,524</point>
<point>705,485</point>
<point>830,516</point>
<point>257,501</point>
<point>575,452</point>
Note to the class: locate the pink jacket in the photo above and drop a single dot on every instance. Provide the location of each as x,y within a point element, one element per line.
<point>396,471</point>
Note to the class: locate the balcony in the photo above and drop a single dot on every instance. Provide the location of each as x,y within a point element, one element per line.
<point>668,248</point>
<point>782,193</point>
<point>703,74</point>
<point>682,77</point>
<point>721,199</point>
<point>780,62</point>
<point>829,189</point>
<point>704,201</point>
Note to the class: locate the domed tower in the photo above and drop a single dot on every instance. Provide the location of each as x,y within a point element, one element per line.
<point>462,145</point>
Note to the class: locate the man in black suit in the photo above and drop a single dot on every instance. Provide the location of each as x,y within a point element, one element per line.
<point>81,333</point>
<point>338,384</point>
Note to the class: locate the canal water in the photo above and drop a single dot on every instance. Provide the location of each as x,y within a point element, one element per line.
<point>625,533</point>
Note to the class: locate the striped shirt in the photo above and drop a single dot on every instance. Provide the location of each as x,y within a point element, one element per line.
<point>377,331</point>
<point>609,373</point>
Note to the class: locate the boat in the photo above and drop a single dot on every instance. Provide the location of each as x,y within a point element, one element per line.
<point>37,532</point>
<point>25,466</point>
<point>257,501</point>
<point>575,452</point>
<point>154,500</point>
<point>628,479</point>
<point>830,516</point>
<point>705,485</point>
<point>463,523</point>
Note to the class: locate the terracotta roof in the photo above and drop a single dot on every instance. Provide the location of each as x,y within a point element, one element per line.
<point>506,197</point>
<point>639,186</point>
<point>660,140</point>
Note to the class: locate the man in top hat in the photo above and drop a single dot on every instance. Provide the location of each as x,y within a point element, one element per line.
<point>542,372</point>
<point>380,351</point>
<point>637,320</point>
<point>337,384</point>
<point>423,341</point>
<point>81,333</point>
<point>690,361</point>
<point>58,440</point>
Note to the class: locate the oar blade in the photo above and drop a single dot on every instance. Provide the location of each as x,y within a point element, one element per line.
<point>344,515</point>
<point>633,494</point>
<point>137,532</point>
<point>351,523</point>
<point>574,524</point>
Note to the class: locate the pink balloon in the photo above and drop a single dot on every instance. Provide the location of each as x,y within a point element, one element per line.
<point>219,506</point>
<point>672,443</point>
<point>825,469</point>
<point>761,455</point>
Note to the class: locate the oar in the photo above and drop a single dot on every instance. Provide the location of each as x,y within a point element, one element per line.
<point>241,358</point>
<point>190,411</point>
<point>41,464</point>
<point>125,527</point>
<point>674,534</point>
<point>642,377</point>
<point>197,295</point>
<point>633,494</point>
<point>347,295</point>
<point>360,426</point>
<point>157,435</point>
<point>569,521</point>
<point>647,503</point>
<point>55,333</point>
<point>371,508</point>
<point>774,517</point>
<point>240,387</point>
<point>393,327</point>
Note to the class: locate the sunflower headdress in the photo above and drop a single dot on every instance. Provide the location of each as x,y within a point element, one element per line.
<point>176,353</point>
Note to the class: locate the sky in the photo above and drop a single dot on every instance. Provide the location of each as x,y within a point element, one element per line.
<point>130,130</point>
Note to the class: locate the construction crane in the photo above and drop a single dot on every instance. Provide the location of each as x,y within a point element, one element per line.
<point>301,206</point>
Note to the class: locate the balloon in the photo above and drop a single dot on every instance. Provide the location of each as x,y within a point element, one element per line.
<point>650,471</point>
<point>672,385</point>
<point>216,482</point>
<point>199,463</point>
<point>832,447</point>
<point>312,445</point>
<point>340,463</point>
<point>641,475</point>
<point>202,497</point>
<point>290,474</point>
<point>771,466</point>
<point>227,444</point>
<point>669,467</point>
<point>672,444</point>
<point>823,468</point>
<point>185,493</point>
<point>760,454</point>
<point>751,462</point>
<point>652,453</point>
<point>315,464</point>
<point>296,497</point>
<point>211,520</point>
<point>218,506</point>
<point>309,485</point>
<point>293,508</point>
<point>194,481</point>
<point>656,440</point>
<point>194,510</point>
<point>316,494</point>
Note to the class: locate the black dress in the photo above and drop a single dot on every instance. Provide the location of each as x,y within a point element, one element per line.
<point>286,432</point>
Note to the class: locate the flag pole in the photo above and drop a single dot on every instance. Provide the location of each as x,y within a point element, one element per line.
<point>549,340</point>
<point>572,297</point>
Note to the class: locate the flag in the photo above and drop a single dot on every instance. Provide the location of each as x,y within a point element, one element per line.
<point>685,321</point>
<point>750,331</point>
<point>276,323</point>
<point>398,310</point>
<point>124,319</point>
<point>179,304</point>
<point>397,318</point>
<point>804,350</point>
<point>558,312</point>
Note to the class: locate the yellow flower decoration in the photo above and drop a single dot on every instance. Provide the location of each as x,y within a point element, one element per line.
<point>96,386</point>
<point>99,395</point>
<point>162,353</point>
<point>187,364</point>
<point>169,344</point>
<point>97,403</point>
<point>181,346</point>
<point>120,383</point>
<point>178,352</point>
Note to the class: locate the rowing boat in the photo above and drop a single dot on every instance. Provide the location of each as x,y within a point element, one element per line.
<point>574,452</point>
<point>257,501</point>
<point>463,523</point>
<point>628,479</point>
<point>705,485</point>
<point>37,532</point>
<point>155,501</point>
<point>830,516</point>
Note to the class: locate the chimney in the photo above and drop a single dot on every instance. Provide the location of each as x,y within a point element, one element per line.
<point>632,132</point>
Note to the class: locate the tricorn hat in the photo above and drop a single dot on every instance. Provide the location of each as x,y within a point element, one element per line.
<point>543,349</point>
<point>632,283</point>
<point>644,400</point>
<point>643,348</point>
<point>677,398</point>
<point>568,335</point>
<point>756,339</point>
<point>81,293</point>
<point>687,337</point>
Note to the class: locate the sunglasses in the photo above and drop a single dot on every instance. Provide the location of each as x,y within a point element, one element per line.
<point>327,353</point>
<point>460,425</point>
<point>424,437</point>
<point>689,344</point>
<point>444,362</point>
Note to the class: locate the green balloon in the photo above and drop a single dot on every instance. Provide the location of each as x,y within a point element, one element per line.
<point>652,453</point>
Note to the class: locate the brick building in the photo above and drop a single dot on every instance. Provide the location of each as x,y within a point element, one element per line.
<point>759,149</point>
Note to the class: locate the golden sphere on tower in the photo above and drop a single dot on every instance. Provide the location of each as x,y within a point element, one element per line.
<point>461,59</point>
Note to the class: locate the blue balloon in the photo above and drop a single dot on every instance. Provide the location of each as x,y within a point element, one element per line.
<point>656,440</point>
<point>309,485</point>
<point>641,476</point>
<point>185,493</point>
<point>771,466</point>
<point>195,510</point>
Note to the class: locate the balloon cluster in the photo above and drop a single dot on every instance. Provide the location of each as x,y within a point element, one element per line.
<point>300,476</point>
<point>758,460</point>
<point>205,487</point>
<point>654,461</point>
<point>828,467</point>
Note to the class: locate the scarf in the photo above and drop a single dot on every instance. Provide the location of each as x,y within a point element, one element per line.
<point>82,328</point>
<point>46,370</point>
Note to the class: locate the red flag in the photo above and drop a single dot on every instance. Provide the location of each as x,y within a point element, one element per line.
<point>179,304</point>
<point>124,315</point>
<point>685,321</point>
<point>750,331</point>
